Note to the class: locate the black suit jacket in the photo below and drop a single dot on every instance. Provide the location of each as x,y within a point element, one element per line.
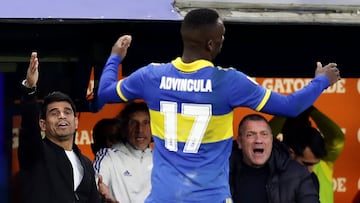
<point>46,174</point>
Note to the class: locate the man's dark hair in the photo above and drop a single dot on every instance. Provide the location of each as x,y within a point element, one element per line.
<point>105,129</point>
<point>55,97</point>
<point>250,117</point>
<point>199,17</point>
<point>300,138</point>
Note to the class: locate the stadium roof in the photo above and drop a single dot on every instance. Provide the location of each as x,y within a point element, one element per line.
<point>273,11</point>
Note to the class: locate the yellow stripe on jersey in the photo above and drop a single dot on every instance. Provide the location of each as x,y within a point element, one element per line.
<point>228,200</point>
<point>219,127</point>
<point>264,100</point>
<point>118,90</point>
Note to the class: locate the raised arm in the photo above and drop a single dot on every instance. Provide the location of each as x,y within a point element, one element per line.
<point>293,104</point>
<point>333,135</point>
<point>330,71</point>
<point>32,74</point>
<point>276,123</point>
<point>108,84</point>
<point>30,133</point>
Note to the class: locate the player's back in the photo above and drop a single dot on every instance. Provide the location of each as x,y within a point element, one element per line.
<point>191,110</point>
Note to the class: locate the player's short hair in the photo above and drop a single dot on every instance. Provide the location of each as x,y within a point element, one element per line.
<point>199,17</point>
<point>250,117</point>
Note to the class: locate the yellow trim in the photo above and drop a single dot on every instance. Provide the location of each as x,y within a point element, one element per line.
<point>118,90</point>
<point>264,100</point>
<point>191,67</point>
<point>228,200</point>
<point>219,127</point>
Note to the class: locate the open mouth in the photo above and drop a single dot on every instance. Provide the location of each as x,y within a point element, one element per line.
<point>140,139</point>
<point>63,125</point>
<point>258,150</point>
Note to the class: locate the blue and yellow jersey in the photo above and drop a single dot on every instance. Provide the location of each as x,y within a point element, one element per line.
<point>191,109</point>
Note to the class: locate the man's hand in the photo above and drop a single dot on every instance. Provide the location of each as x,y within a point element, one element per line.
<point>104,191</point>
<point>330,71</point>
<point>32,74</point>
<point>121,45</point>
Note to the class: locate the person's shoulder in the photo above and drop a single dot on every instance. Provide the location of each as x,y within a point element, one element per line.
<point>117,146</point>
<point>295,164</point>
<point>106,151</point>
<point>153,66</point>
<point>226,69</point>
<point>115,149</point>
<point>231,72</point>
<point>295,173</point>
<point>297,168</point>
<point>157,65</point>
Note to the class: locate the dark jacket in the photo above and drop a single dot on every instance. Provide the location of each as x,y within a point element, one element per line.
<point>46,174</point>
<point>288,182</point>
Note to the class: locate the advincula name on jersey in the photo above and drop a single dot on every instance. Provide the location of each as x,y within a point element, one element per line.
<point>186,85</point>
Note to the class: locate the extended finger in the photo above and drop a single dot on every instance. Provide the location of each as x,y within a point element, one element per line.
<point>318,65</point>
<point>34,65</point>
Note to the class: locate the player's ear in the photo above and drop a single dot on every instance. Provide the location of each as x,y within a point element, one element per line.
<point>209,45</point>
